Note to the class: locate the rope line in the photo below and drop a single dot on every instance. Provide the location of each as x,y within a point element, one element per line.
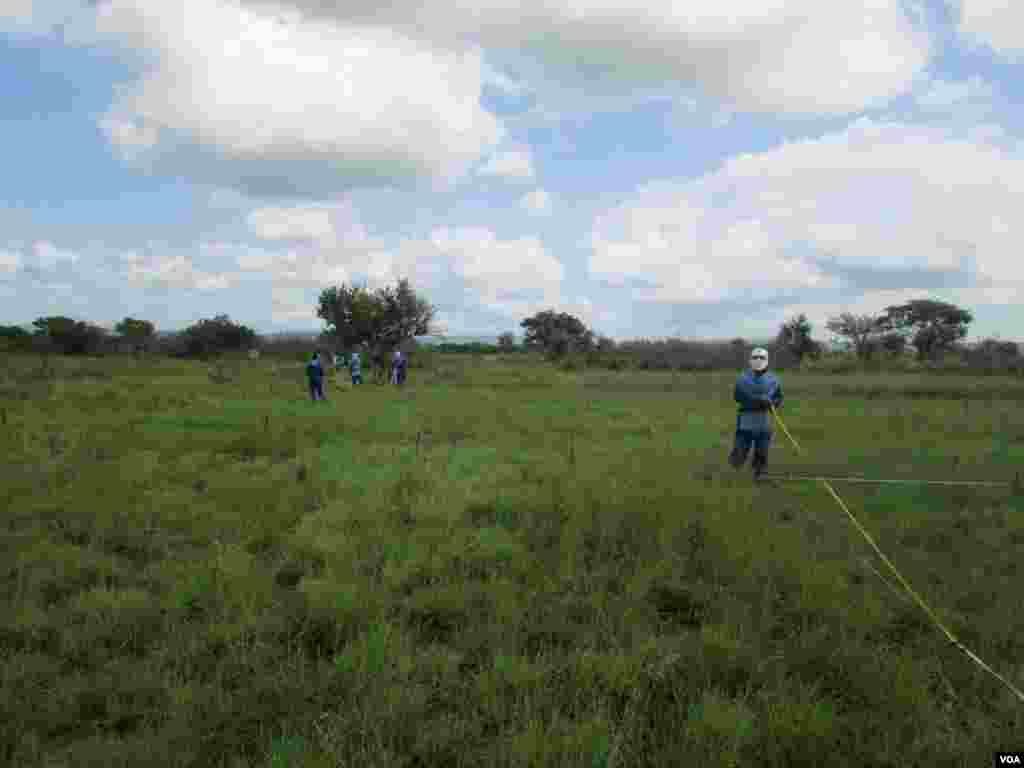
<point>911,481</point>
<point>931,614</point>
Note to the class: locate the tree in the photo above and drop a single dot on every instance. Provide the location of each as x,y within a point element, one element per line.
<point>405,314</point>
<point>795,338</point>
<point>352,315</point>
<point>993,353</point>
<point>217,335</point>
<point>506,342</point>
<point>73,337</point>
<point>379,321</point>
<point>933,326</point>
<point>605,344</point>
<point>859,330</point>
<point>14,337</point>
<point>138,332</point>
<point>13,332</point>
<point>894,343</point>
<point>557,334</point>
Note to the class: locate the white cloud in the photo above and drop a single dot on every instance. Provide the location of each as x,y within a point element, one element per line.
<point>16,10</point>
<point>288,307</point>
<point>307,268</point>
<point>502,82</point>
<point>469,266</point>
<point>799,56</point>
<point>279,105</point>
<point>873,197</point>
<point>222,198</point>
<point>172,271</point>
<point>538,201</point>
<point>943,95</point>
<point>329,245</point>
<point>515,164</point>
<point>495,269</point>
<point>9,263</point>
<point>998,24</point>
<point>297,223</point>
<point>47,256</point>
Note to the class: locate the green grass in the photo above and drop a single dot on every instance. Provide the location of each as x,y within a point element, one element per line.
<point>499,565</point>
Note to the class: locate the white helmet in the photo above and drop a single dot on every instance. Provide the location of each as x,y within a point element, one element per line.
<point>759,359</point>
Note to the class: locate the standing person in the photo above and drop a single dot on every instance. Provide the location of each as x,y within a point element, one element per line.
<point>315,373</point>
<point>756,391</point>
<point>378,358</point>
<point>399,368</point>
<point>355,368</point>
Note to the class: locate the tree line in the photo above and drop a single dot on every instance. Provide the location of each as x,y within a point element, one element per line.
<point>377,322</point>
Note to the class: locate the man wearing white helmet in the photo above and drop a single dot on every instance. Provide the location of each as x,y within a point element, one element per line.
<point>756,391</point>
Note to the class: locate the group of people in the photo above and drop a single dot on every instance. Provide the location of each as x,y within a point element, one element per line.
<point>315,371</point>
<point>757,391</point>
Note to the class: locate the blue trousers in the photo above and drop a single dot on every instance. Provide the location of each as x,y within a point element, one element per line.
<point>316,389</point>
<point>746,438</point>
<point>357,378</point>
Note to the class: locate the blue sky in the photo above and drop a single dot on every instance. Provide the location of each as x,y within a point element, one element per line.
<point>705,173</point>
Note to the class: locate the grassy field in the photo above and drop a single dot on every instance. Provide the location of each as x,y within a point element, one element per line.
<point>499,565</point>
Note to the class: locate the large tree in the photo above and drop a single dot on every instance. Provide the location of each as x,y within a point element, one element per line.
<point>860,331</point>
<point>932,326</point>
<point>216,335</point>
<point>795,337</point>
<point>557,333</point>
<point>405,314</point>
<point>138,332</point>
<point>381,320</point>
<point>73,337</point>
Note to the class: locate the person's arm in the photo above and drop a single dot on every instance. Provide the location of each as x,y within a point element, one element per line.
<point>745,399</point>
<point>777,395</point>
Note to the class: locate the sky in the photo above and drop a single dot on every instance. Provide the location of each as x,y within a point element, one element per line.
<point>702,170</point>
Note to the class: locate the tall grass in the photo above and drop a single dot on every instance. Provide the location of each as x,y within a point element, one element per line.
<point>501,564</point>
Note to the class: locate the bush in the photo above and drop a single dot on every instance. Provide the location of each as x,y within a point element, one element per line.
<point>213,336</point>
<point>72,337</point>
<point>290,346</point>
<point>472,348</point>
<point>172,344</point>
<point>992,355</point>
<point>14,338</point>
<point>684,355</point>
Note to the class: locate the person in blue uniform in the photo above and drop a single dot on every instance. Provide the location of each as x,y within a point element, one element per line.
<point>756,391</point>
<point>315,373</point>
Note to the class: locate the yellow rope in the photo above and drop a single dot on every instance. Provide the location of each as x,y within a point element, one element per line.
<point>931,614</point>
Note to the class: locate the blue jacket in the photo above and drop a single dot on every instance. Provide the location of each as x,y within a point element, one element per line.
<point>751,389</point>
<point>354,363</point>
<point>314,371</point>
